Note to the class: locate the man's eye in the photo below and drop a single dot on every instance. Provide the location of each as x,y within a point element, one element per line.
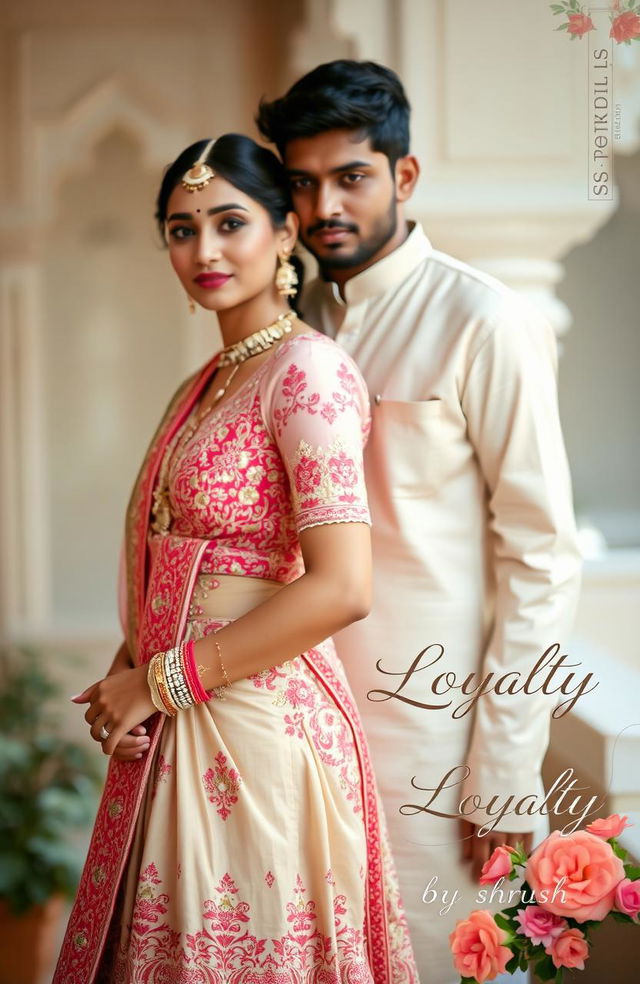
<point>353,177</point>
<point>297,184</point>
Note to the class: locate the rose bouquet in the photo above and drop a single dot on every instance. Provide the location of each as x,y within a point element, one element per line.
<point>572,883</point>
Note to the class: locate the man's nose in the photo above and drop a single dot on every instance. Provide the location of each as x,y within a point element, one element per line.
<point>328,201</point>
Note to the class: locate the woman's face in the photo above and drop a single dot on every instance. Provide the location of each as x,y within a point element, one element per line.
<point>222,244</point>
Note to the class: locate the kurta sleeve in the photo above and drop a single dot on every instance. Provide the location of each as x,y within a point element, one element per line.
<point>316,406</point>
<point>510,402</point>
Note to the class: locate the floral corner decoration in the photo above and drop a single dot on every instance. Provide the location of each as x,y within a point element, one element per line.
<point>624,17</point>
<point>572,883</point>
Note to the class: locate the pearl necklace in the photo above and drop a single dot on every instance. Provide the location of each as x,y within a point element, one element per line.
<point>235,355</point>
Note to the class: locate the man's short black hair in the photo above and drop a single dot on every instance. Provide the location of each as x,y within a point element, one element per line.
<point>342,95</point>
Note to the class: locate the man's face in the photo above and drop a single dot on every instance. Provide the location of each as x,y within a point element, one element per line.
<point>344,194</point>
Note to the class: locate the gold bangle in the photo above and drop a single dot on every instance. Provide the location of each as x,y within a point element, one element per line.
<point>153,689</point>
<point>165,696</point>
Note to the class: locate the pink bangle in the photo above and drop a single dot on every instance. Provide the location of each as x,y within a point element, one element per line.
<point>194,683</point>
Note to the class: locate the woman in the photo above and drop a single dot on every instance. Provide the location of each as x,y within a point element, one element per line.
<point>239,837</point>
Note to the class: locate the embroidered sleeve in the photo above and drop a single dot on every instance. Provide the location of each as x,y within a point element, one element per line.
<point>318,413</point>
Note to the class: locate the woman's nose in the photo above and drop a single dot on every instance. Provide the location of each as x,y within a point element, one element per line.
<point>208,248</point>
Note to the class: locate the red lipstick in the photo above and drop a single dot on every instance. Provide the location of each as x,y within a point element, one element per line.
<point>212,280</point>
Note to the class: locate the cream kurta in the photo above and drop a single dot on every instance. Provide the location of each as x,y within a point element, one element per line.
<point>474,549</point>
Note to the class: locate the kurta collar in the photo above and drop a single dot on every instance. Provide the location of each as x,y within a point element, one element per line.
<point>386,273</point>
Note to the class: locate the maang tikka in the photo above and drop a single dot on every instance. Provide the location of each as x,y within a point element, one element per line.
<point>199,174</point>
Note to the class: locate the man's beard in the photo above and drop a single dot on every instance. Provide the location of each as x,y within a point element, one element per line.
<point>383,231</point>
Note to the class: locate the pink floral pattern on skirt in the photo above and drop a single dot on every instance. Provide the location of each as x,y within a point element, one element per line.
<point>225,951</point>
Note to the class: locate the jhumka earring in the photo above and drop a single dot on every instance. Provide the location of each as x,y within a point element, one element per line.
<point>200,174</point>
<point>286,277</point>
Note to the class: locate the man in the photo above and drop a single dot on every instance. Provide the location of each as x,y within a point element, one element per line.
<point>476,567</point>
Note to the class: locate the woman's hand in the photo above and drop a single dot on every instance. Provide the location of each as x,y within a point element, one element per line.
<point>133,745</point>
<point>118,703</point>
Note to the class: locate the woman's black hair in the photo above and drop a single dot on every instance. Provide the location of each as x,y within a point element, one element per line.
<point>246,165</point>
<point>342,95</point>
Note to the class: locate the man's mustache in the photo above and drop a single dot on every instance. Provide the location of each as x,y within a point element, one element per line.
<point>330,224</point>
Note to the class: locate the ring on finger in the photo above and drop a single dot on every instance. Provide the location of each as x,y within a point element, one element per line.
<point>104,734</point>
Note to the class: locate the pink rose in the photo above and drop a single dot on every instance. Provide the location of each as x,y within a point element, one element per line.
<point>574,875</point>
<point>569,950</point>
<point>580,24</point>
<point>498,865</point>
<point>609,827</point>
<point>539,925</point>
<point>628,897</point>
<point>476,945</point>
<point>625,27</point>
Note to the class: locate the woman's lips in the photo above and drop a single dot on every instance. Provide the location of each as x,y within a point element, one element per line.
<point>212,280</point>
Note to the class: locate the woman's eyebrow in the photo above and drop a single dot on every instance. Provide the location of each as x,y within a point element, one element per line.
<point>210,211</point>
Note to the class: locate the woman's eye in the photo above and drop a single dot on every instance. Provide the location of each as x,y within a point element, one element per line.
<point>178,231</point>
<point>230,225</point>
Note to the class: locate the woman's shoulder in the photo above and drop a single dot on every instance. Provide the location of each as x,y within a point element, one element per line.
<point>311,371</point>
<point>311,348</point>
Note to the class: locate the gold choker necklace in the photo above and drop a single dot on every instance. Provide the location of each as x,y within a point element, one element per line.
<point>259,341</point>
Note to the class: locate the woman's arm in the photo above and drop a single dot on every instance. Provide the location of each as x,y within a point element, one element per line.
<point>121,661</point>
<point>334,591</point>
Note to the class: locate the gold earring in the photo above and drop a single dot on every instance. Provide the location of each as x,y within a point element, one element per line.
<point>191,303</point>
<point>286,277</point>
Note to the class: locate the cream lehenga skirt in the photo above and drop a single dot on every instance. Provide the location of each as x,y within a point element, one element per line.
<point>249,855</point>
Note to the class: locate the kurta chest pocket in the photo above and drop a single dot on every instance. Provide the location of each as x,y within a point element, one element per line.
<point>409,439</point>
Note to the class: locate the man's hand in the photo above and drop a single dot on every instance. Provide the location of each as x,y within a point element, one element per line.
<point>477,849</point>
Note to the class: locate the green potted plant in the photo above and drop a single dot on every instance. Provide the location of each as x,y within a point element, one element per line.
<point>47,786</point>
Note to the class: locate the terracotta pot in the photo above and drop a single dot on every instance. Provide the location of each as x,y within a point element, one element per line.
<point>28,941</point>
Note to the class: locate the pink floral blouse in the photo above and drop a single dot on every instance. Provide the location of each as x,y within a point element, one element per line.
<point>283,454</point>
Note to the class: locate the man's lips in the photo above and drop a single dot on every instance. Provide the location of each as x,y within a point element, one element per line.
<point>212,279</point>
<point>332,235</point>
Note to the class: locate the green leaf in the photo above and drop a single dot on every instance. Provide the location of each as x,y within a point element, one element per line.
<point>617,850</point>
<point>620,916</point>
<point>545,969</point>
<point>512,965</point>
<point>632,871</point>
<point>563,27</point>
<point>503,922</point>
